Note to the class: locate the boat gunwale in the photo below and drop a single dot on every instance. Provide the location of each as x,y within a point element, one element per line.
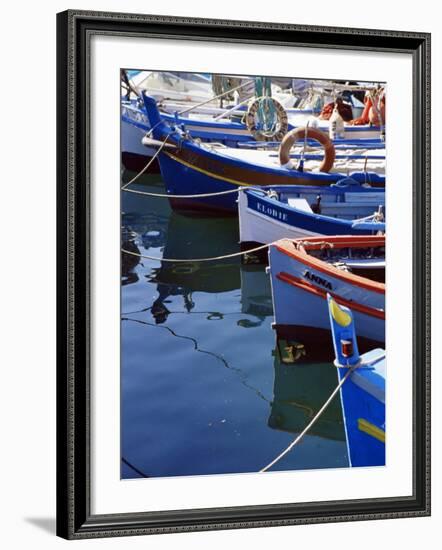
<point>344,223</point>
<point>300,253</point>
<point>204,150</point>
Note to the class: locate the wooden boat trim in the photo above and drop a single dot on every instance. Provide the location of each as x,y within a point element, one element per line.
<point>343,241</point>
<point>240,172</point>
<point>298,250</point>
<point>205,172</point>
<point>308,287</point>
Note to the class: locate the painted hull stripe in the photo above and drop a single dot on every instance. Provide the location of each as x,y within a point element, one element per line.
<point>319,265</point>
<point>371,429</point>
<point>205,172</point>
<point>287,180</point>
<point>308,287</point>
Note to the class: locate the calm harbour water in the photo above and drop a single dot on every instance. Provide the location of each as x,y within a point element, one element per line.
<point>203,390</point>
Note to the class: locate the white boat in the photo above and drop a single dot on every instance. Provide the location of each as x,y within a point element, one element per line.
<point>163,85</point>
<point>347,208</point>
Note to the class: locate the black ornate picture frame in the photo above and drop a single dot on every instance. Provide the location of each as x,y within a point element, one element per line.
<point>74,32</point>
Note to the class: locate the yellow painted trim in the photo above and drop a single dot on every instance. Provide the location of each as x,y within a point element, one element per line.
<point>339,315</point>
<point>371,429</point>
<point>211,174</point>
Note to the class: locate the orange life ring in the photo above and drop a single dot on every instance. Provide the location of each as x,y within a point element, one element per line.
<point>313,133</point>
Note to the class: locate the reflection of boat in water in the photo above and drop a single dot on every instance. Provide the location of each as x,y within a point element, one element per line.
<point>256,293</point>
<point>143,222</point>
<point>190,238</point>
<point>185,241</point>
<point>129,261</point>
<point>299,392</point>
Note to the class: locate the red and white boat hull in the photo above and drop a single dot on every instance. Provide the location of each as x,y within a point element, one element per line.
<point>299,292</point>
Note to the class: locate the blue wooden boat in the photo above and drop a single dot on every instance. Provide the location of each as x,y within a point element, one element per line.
<point>220,125</point>
<point>347,208</point>
<point>362,393</point>
<point>227,131</point>
<point>227,125</point>
<point>189,167</point>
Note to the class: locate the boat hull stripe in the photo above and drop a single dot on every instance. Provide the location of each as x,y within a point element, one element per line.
<point>371,429</point>
<point>350,278</point>
<point>308,287</point>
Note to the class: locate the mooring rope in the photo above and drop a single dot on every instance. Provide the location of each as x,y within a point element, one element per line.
<point>189,260</point>
<point>147,165</point>
<point>214,194</point>
<point>166,196</point>
<point>313,421</point>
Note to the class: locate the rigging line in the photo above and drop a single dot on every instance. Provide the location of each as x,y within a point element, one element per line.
<point>310,424</point>
<point>134,468</point>
<point>238,371</point>
<point>213,98</point>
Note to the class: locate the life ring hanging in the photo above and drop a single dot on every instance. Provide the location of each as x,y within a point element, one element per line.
<point>280,126</point>
<point>300,133</point>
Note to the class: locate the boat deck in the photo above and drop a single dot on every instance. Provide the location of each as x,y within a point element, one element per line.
<point>351,159</point>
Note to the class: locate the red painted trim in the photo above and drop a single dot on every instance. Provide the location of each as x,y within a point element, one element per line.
<point>341,241</point>
<point>338,242</point>
<point>308,287</point>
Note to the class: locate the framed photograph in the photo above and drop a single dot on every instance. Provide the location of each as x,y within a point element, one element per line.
<point>241,340</point>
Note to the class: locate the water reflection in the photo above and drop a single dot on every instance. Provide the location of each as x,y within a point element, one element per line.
<point>196,363</point>
<point>171,235</point>
<point>299,391</point>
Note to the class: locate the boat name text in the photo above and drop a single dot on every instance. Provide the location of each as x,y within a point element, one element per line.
<point>270,211</point>
<point>318,280</point>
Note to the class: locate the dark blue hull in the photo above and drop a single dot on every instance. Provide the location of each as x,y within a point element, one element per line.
<point>193,169</point>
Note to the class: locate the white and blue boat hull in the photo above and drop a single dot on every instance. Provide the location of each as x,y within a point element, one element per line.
<point>263,219</point>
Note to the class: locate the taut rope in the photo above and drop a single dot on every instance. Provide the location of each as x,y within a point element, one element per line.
<point>310,424</point>
<point>187,260</point>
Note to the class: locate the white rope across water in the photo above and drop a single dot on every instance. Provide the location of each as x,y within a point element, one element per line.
<point>196,195</point>
<point>147,165</point>
<point>312,422</point>
<point>187,260</point>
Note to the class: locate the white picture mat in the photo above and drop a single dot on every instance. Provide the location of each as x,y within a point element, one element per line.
<point>109,493</point>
